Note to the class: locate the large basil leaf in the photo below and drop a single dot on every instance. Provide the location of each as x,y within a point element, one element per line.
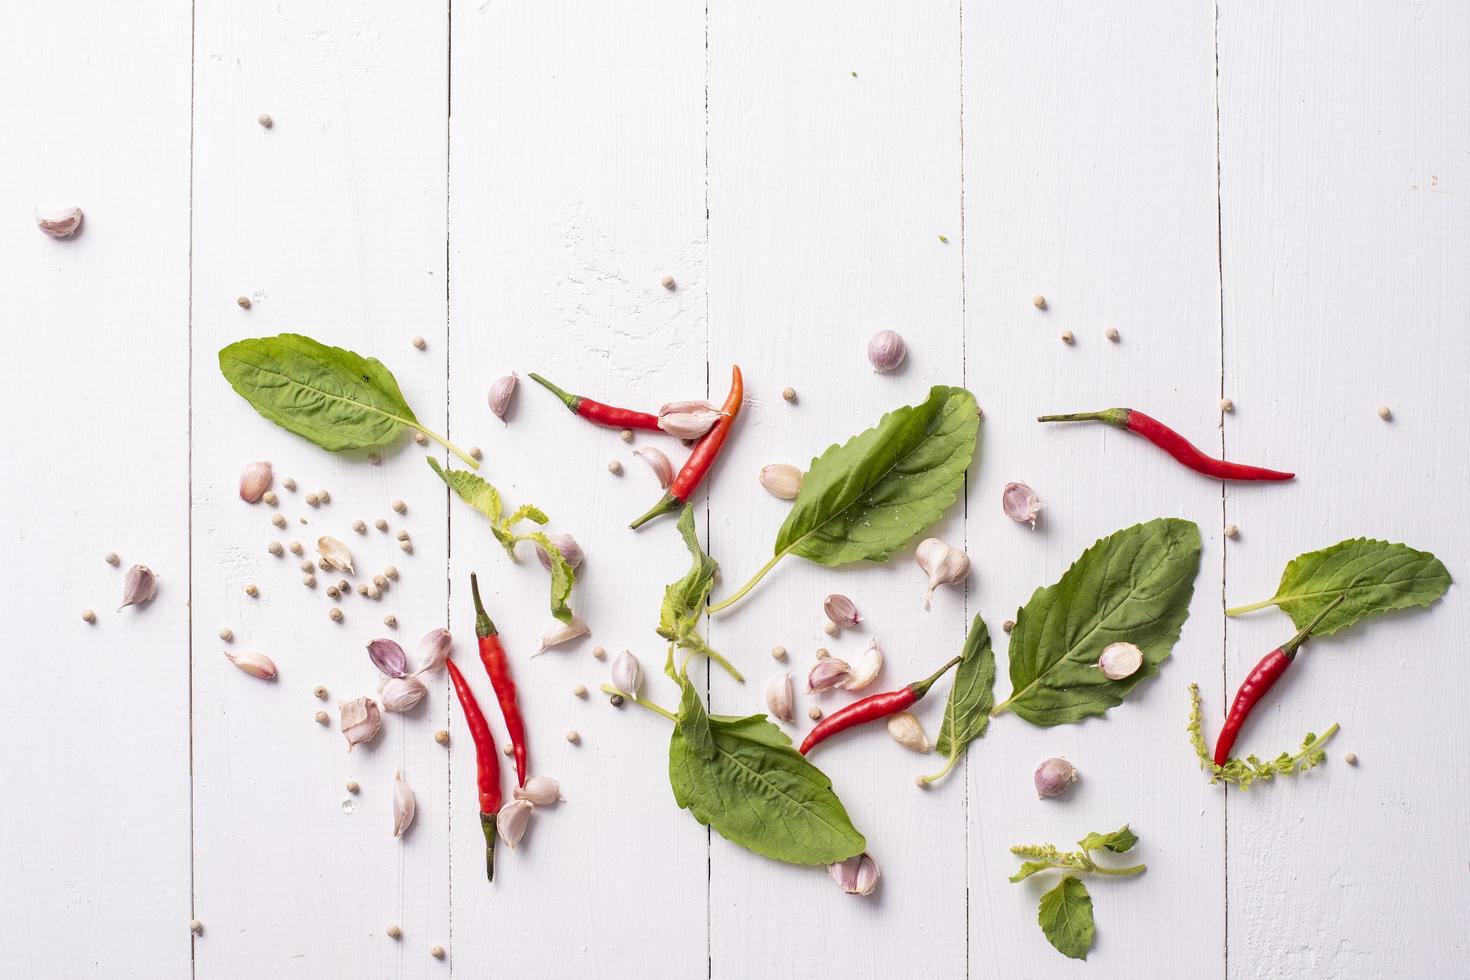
<point>486,499</point>
<point>693,720</point>
<point>1133,586</point>
<point>1375,576</point>
<point>1065,915</point>
<point>757,791</point>
<point>684,600</point>
<point>871,495</point>
<point>333,397</point>
<point>967,713</point>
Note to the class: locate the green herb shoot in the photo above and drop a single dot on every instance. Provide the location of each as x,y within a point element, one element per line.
<point>1243,772</point>
<point>1065,912</point>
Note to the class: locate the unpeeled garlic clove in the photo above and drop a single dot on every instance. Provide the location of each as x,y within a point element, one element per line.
<point>1120,661</point>
<point>334,554</point>
<point>1054,777</point>
<point>886,350</point>
<point>780,700</point>
<point>500,395</point>
<point>255,480</point>
<point>140,585</point>
<point>944,565</point>
<point>388,657</point>
<point>865,668</point>
<point>659,463</point>
<point>571,551</point>
<point>511,821</point>
<point>403,805</point>
<point>827,673</point>
<point>559,632</point>
<point>841,612</point>
<point>857,875</point>
<point>60,224</point>
<point>254,664</point>
<point>688,419</point>
<point>1020,503</point>
<point>402,693</point>
<point>361,721</point>
<point>539,790</point>
<point>781,480</point>
<point>627,674</point>
<point>905,729</point>
<point>434,650</point>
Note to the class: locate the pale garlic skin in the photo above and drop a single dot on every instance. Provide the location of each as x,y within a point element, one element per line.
<point>501,393</point>
<point>59,224</point>
<point>781,480</point>
<point>905,729</point>
<point>688,419</point>
<point>512,820</point>
<point>361,721</point>
<point>780,699</point>
<point>627,674</point>
<point>663,470</point>
<point>1020,503</point>
<point>254,664</point>
<point>539,791</point>
<point>841,612</point>
<point>886,351</point>
<point>827,673</point>
<point>404,805</point>
<point>1120,661</point>
<point>255,480</point>
<point>1054,777</point>
<point>434,650</point>
<point>571,551</point>
<point>943,564</point>
<point>857,875</point>
<point>865,667</point>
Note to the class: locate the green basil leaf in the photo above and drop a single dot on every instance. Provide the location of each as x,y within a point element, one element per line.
<point>684,600</point>
<point>1376,577</point>
<point>967,712</point>
<point>759,792</point>
<point>693,720</point>
<point>484,498</point>
<point>1029,868</point>
<point>868,497</point>
<point>333,397</point>
<point>1119,841</point>
<point>1133,586</point>
<point>1065,915</point>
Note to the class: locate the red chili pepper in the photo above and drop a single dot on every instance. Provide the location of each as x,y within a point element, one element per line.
<point>871,708</point>
<point>1260,680</point>
<point>703,456</point>
<point>592,411</point>
<point>1172,443</point>
<point>487,759</point>
<point>497,665</point>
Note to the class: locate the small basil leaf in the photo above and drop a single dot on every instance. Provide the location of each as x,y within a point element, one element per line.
<point>1029,868</point>
<point>1065,915</point>
<point>684,600</point>
<point>693,721</point>
<point>1119,841</point>
<point>967,712</point>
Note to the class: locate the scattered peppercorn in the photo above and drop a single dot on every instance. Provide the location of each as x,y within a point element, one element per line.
<point>830,628</point>
<point>324,497</point>
<point>508,749</point>
<point>420,343</point>
<point>322,717</point>
<point>401,534</point>
<point>1226,405</point>
<point>375,457</point>
<point>814,713</point>
<point>475,453</point>
<point>226,634</point>
<point>252,590</point>
<point>1067,337</point>
<point>778,652</point>
<point>667,281</point>
<point>405,546</point>
<point>319,692</point>
<point>279,520</point>
<point>270,498</point>
<point>437,952</point>
<point>1039,301</point>
<point>616,700</point>
<point>1351,758</point>
<point>615,467</point>
<point>599,653</point>
<point>1008,625</point>
<point>1112,335</point>
<point>1384,413</point>
<point>336,614</point>
<point>822,653</point>
<point>275,548</point>
<point>390,621</point>
<point>626,435</point>
<point>359,527</point>
<point>442,736</point>
<point>88,616</point>
<point>1231,531</point>
<point>352,786</point>
<point>313,500</point>
<point>789,394</point>
<point>111,558</point>
<point>289,483</point>
<point>380,524</point>
<point>265,120</point>
<point>309,581</point>
<point>243,301</point>
<point>345,587</point>
<point>399,507</point>
<point>580,691</point>
<point>420,438</point>
<point>391,572</point>
<point>573,737</point>
<point>196,927</point>
<point>394,932</point>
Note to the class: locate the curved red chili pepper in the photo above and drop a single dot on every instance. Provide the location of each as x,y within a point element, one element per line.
<point>1260,680</point>
<point>871,708</point>
<point>487,763</point>
<point>1172,443</point>
<point>597,412</point>
<point>497,665</point>
<point>703,456</point>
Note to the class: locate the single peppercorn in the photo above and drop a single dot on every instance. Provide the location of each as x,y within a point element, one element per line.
<point>243,302</point>
<point>789,394</point>
<point>616,700</point>
<point>442,737</point>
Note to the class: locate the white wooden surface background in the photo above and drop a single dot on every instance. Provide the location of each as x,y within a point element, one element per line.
<point>1268,201</point>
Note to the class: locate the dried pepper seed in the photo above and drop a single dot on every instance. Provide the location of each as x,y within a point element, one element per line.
<point>380,524</point>
<point>615,467</point>
<point>295,548</point>
<point>309,581</point>
<point>312,500</point>
<point>778,652</point>
<point>352,786</point>
<point>1351,758</point>
<point>1231,531</point>
<point>442,736</point>
<point>307,565</point>
<point>420,438</point>
<point>823,653</point>
<point>333,592</point>
<point>626,435</point>
<point>196,927</point>
<point>279,520</point>
<point>579,690</point>
<point>573,737</point>
<point>814,713</point>
<point>419,343</point>
<point>402,535</point>
<point>437,952</point>
<point>243,302</point>
<point>322,717</point>
<point>599,653</point>
<point>1112,334</point>
<point>1008,625</point>
<point>275,549</point>
<point>508,749</point>
<point>399,507</point>
<point>830,628</point>
<point>667,281</point>
<point>226,634</point>
<point>1067,337</point>
<point>335,614</point>
<point>324,497</point>
<point>789,394</point>
<point>475,453</point>
<point>359,527</point>
<point>375,457</point>
<point>270,498</point>
<point>391,572</point>
<point>1384,413</point>
<point>362,589</point>
<point>394,932</point>
<point>616,700</point>
<point>345,587</point>
<point>390,621</point>
<point>1226,405</point>
<point>405,546</point>
<point>111,558</point>
<point>289,483</point>
<point>252,590</point>
<point>88,616</point>
<point>381,581</point>
<point>319,692</point>
<point>1039,301</point>
<point>265,120</point>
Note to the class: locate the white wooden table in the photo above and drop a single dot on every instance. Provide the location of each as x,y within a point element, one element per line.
<point>1268,201</point>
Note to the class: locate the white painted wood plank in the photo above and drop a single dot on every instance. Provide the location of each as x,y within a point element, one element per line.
<point>1345,230</point>
<point>577,182</point>
<point>94,847</point>
<point>834,168</point>
<point>1090,178</point>
<point>333,220</point>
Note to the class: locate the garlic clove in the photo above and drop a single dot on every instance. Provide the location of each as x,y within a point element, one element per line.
<point>688,419</point>
<point>780,700</point>
<point>571,552</point>
<point>60,224</point>
<point>1120,661</point>
<point>886,351</point>
<point>659,463</point>
<point>781,480</point>
<point>388,657</point>
<point>500,395</point>
<point>403,805</point>
<point>511,821</point>
<point>140,585</point>
<point>539,790</point>
<point>559,632</point>
<point>1054,777</point>
<point>865,668</point>
<point>1020,503</point>
<point>402,693</point>
<point>254,664</point>
<point>858,875</point>
<point>361,721</point>
<point>944,565</point>
<point>826,674</point>
<point>841,612</point>
<point>905,729</point>
<point>627,674</point>
<point>334,554</point>
<point>434,650</point>
<point>255,480</point>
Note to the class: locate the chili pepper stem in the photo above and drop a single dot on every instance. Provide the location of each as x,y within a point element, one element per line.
<point>1111,416</point>
<point>468,460</point>
<point>569,400</point>
<point>641,702</point>
<point>487,824</point>
<point>666,505</point>
<point>922,687</point>
<point>739,594</point>
<point>1291,646</point>
<point>484,625</point>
